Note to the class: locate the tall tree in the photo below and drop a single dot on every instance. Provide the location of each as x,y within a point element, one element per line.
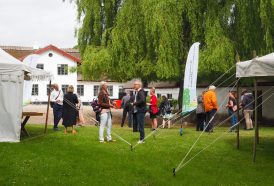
<point>150,39</point>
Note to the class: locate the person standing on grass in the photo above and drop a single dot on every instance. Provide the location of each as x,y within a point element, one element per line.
<point>105,118</point>
<point>127,109</point>
<point>70,111</point>
<point>165,110</point>
<point>153,109</point>
<point>242,111</point>
<point>139,105</point>
<point>81,119</point>
<point>247,105</point>
<point>200,113</point>
<point>211,107</point>
<point>232,108</point>
<point>56,102</point>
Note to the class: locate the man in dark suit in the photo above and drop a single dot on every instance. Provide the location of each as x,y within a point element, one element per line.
<point>139,104</point>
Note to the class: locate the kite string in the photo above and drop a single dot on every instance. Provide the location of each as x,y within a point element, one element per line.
<point>73,106</point>
<point>192,110</point>
<point>193,145</point>
<point>181,166</point>
<point>178,113</point>
<point>216,126</point>
<point>225,80</point>
<point>150,134</point>
<point>223,75</point>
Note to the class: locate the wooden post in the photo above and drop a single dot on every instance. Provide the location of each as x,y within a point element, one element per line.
<point>256,120</point>
<point>238,115</point>
<point>47,114</point>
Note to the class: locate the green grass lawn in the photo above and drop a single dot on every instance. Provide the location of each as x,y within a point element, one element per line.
<point>59,159</point>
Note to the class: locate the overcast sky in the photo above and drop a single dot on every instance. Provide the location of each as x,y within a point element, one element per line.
<point>37,23</point>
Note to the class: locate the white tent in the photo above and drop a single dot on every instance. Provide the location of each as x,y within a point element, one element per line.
<point>12,75</point>
<point>257,67</point>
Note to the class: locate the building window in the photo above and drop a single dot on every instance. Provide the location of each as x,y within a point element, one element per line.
<point>169,96</point>
<point>159,95</point>
<point>35,90</point>
<point>96,90</point>
<point>40,66</point>
<point>80,90</point>
<point>62,69</point>
<point>48,89</point>
<point>121,89</point>
<point>50,54</point>
<point>64,88</point>
<point>110,90</point>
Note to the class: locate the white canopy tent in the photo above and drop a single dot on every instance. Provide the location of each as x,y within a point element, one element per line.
<point>256,68</point>
<point>12,75</point>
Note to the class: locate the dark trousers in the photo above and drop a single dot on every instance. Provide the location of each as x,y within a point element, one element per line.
<point>125,113</point>
<point>209,122</point>
<point>57,114</point>
<point>201,118</point>
<point>97,116</point>
<point>138,123</point>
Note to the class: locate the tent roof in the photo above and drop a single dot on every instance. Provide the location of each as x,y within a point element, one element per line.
<point>9,65</point>
<point>257,67</point>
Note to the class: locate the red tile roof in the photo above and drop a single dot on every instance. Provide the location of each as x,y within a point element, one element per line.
<point>20,52</point>
<point>54,48</point>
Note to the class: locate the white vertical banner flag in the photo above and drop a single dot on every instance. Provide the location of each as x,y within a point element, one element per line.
<point>190,79</point>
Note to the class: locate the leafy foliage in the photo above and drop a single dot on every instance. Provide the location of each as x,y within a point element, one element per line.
<point>149,39</point>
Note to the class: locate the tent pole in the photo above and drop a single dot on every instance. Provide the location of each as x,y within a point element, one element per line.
<point>47,114</point>
<point>238,116</point>
<point>256,120</point>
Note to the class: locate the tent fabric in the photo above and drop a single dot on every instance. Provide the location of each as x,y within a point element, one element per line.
<point>12,75</point>
<point>257,67</point>
<point>11,91</point>
<point>11,109</point>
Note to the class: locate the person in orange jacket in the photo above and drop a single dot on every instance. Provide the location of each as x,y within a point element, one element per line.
<point>211,107</point>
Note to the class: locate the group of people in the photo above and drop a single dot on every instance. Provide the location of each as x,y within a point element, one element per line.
<point>67,107</point>
<point>207,108</point>
<point>135,107</point>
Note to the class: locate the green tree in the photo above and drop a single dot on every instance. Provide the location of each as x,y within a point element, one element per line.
<point>150,39</point>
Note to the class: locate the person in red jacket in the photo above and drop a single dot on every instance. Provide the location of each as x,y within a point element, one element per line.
<point>153,109</point>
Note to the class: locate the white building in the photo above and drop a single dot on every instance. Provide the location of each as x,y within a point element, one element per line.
<point>88,90</point>
<point>63,67</point>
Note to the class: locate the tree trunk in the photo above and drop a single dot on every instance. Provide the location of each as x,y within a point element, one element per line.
<point>181,91</point>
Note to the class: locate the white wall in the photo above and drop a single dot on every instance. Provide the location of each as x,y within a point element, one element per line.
<point>50,64</point>
<point>89,90</point>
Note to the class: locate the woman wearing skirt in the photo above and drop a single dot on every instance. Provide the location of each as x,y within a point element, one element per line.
<point>70,112</point>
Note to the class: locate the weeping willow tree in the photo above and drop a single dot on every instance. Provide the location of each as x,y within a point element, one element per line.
<point>146,40</point>
<point>149,39</point>
<point>96,18</point>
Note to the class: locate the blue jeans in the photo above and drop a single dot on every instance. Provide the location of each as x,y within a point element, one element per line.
<point>57,114</point>
<point>233,116</point>
<point>141,122</point>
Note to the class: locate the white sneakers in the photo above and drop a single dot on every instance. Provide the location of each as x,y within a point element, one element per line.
<point>141,141</point>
